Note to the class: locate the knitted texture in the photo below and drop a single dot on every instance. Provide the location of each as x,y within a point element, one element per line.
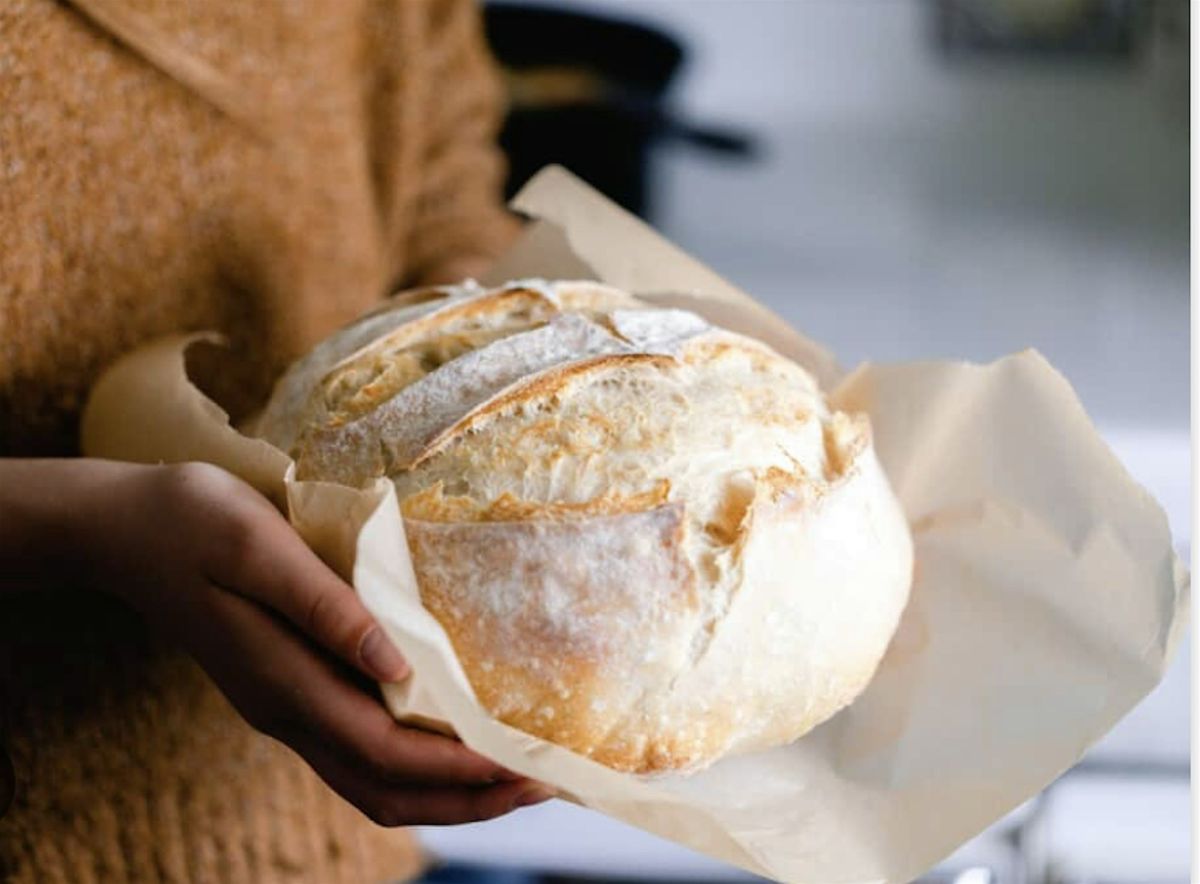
<point>357,158</point>
<point>131,767</point>
<point>268,170</point>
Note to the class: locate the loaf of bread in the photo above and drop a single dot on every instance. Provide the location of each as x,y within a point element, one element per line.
<point>649,539</point>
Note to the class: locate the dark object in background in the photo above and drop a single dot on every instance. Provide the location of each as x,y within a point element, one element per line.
<point>455,873</point>
<point>591,92</point>
<point>1084,29</point>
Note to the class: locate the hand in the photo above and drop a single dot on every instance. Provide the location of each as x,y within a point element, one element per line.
<point>209,561</point>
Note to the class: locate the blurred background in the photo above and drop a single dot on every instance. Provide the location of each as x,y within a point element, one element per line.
<point>904,179</point>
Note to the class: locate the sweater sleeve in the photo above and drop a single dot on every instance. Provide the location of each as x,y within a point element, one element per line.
<point>460,222</point>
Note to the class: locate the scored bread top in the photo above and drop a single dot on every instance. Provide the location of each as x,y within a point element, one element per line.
<point>551,394</point>
<point>581,476</point>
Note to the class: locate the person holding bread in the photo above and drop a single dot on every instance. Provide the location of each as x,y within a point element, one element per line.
<point>186,690</point>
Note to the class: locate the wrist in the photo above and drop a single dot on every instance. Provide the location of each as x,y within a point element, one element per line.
<point>50,512</point>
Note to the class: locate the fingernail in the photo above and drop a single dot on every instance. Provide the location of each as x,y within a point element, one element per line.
<point>535,795</point>
<point>504,775</point>
<point>380,656</point>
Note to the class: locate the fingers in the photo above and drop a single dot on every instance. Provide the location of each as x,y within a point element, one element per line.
<point>413,805</point>
<point>331,707</point>
<point>263,580</point>
<point>266,560</point>
<point>285,688</point>
<point>246,605</point>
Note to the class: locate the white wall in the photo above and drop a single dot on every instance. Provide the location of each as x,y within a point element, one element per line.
<point>908,207</point>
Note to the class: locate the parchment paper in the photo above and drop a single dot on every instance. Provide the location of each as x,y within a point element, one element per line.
<point>1047,599</point>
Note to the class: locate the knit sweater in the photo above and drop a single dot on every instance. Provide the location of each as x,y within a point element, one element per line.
<point>268,170</point>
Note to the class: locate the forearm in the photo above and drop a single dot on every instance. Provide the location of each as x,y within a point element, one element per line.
<point>43,504</point>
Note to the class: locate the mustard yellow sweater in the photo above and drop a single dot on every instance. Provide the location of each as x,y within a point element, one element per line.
<point>268,169</point>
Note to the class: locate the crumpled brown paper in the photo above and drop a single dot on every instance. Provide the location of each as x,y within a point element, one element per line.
<point>1047,599</point>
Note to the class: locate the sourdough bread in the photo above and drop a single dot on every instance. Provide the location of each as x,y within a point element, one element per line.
<point>649,539</point>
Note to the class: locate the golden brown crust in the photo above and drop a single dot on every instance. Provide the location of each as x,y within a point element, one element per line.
<point>539,388</point>
<point>383,367</point>
<point>431,505</point>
